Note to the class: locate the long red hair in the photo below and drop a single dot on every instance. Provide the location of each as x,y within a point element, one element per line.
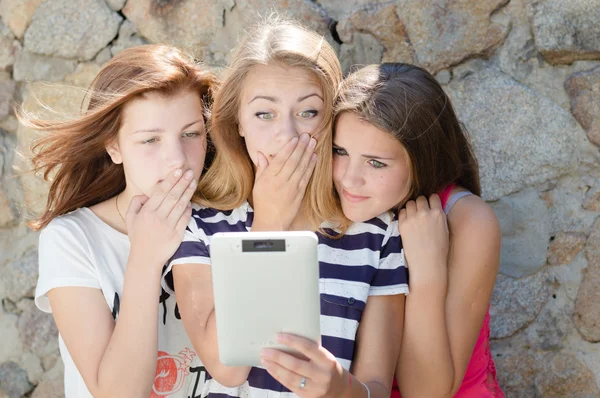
<point>74,151</point>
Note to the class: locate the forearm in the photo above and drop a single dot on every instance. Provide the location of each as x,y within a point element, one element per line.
<point>128,365</point>
<point>204,341</point>
<point>426,367</point>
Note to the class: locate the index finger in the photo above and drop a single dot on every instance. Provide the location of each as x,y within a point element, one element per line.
<point>435,202</point>
<point>163,190</point>
<point>309,348</point>
<point>282,156</point>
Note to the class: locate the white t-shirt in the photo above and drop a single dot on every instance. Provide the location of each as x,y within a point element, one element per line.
<point>80,250</point>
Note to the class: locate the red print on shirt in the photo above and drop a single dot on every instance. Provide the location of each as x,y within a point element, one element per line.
<point>171,371</point>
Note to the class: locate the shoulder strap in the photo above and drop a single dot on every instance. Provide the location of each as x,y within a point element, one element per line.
<point>452,200</point>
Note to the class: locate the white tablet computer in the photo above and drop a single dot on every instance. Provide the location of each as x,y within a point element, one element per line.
<point>264,283</point>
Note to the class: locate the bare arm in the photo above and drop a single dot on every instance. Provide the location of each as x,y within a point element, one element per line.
<point>103,350</point>
<point>445,314</point>
<point>193,284</point>
<point>378,344</point>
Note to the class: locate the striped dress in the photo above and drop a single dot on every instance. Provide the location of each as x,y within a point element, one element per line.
<point>367,261</point>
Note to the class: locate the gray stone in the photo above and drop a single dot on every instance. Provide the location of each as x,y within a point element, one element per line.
<point>563,375</point>
<point>7,92</point>
<point>116,5</point>
<point>587,316</point>
<point>516,368</point>
<point>247,13</point>
<point>381,22</point>
<point>519,58</point>
<point>364,50</point>
<point>103,56</point>
<point>565,246</point>
<point>11,346</point>
<point>22,275</point>
<point>188,24</point>
<point>38,331</point>
<point>334,11</point>
<point>569,276</point>
<point>32,67</point>
<point>560,42</point>
<point>592,198</point>
<point>7,216</point>
<point>515,303</point>
<point>443,77</point>
<point>553,326</point>
<point>520,138</point>
<point>13,380</point>
<point>17,14</point>
<point>9,48</point>
<point>52,383</point>
<point>32,365</point>
<point>443,33</point>
<point>525,224</point>
<point>565,204</point>
<point>128,37</point>
<point>584,91</point>
<point>69,29</point>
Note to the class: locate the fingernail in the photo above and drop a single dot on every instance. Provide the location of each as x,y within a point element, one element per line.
<point>188,175</point>
<point>295,140</point>
<point>178,173</point>
<point>314,157</point>
<point>304,137</point>
<point>312,143</point>
<point>193,183</point>
<point>265,363</point>
<point>265,354</point>
<point>281,337</point>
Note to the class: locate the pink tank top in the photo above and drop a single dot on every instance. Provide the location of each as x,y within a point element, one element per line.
<point>480,377</point>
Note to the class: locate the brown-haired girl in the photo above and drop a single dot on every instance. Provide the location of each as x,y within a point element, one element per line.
<point>123,176</point>
<point>271,125</point>
<point>398,142</point>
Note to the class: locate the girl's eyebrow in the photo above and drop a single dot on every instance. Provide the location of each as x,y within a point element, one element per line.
<point>365,155</point>
<point>265,97</point>
<point>276,100</point>
<point>375,157</point>
<point>162,131</point>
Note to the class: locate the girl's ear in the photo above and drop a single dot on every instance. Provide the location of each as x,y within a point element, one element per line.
<point>114,152</point>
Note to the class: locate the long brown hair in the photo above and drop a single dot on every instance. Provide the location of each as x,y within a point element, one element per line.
<point>406,101</point>
<point>276,41</point>
<point>75,150</point>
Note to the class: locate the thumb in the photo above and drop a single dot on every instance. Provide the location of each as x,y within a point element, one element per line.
<point>262,164</point>
<point>136,204</point>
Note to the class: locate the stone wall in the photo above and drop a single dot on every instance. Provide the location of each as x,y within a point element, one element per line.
<point>524,76</point>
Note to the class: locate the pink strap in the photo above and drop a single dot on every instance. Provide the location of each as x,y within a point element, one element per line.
<point>445,194</point>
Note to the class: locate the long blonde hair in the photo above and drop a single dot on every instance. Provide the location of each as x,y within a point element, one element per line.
<point>76,149</point>
<point>229,181</point>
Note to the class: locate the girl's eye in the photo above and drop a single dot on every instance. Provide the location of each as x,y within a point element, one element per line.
<point>150,141</point>
<point>265,115</point>
<point>191,134</point>
<point>377,164</point>
<point>339,151</point>
<point>308,114</point>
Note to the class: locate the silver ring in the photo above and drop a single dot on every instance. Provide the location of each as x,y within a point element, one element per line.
<point>303,382</point>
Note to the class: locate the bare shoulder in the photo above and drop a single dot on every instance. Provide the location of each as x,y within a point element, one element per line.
<point>475,236</point>
<point>472,216</point>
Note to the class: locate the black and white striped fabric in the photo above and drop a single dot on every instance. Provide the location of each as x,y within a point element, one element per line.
<point>367,261</point>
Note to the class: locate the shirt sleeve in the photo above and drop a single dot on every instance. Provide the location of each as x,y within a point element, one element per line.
<point>63,261</point>
<point>392,275</point>
<point>192,250</point>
